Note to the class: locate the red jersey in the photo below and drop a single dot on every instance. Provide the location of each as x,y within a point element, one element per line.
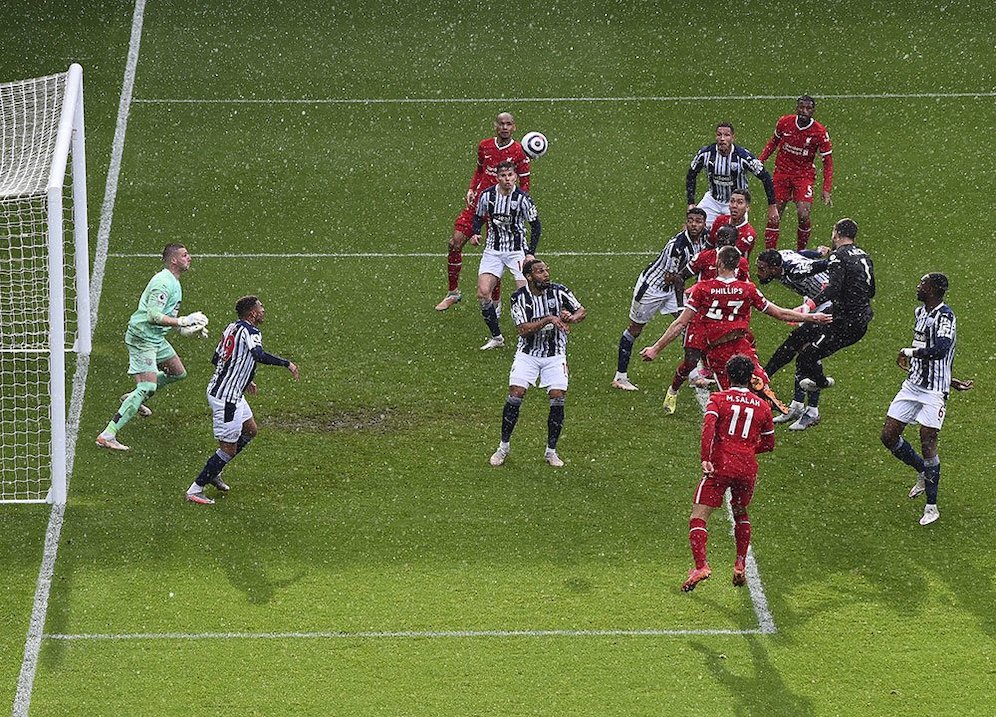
<point>798,149</point>
<point>489,156</point>
<point>745,233</point>
<point>737,426</point>
<point>703,265</point>
<point>723,306</point>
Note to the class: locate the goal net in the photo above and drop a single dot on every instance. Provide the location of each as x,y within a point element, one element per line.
<point>44,278</point>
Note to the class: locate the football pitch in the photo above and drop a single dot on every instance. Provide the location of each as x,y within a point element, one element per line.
<point>369,560</point>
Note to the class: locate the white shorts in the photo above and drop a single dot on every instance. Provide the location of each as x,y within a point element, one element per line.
<point>549,372</point>
<point>713,208</point>
<point>495,262</point>
<point>228,431</point>
<point>914,405</point>
<point>654,301</point>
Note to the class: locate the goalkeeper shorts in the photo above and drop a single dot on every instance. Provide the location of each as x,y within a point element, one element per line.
<point>146,358</point>
<point>228,417</point>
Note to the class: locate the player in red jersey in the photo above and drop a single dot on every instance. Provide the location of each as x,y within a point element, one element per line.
<point>703,265</point>
<point>490,153</point>
<point>737,426</point>
<point>798,138</point>
<point>738,218</point>
<point>723,307</point>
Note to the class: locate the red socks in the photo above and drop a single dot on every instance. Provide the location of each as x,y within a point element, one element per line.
<point>698,536</point>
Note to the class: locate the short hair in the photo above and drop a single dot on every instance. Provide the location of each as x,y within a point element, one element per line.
<point>847,228</point>
<point>498,117</point>
<point>745,193</point>
<point>939,281</point>
<point>697,211</point>
<point>727,235</point>
<point>527,268</point>
<point>727,124</point>
<point>502,166</point>
<point>771,257</point>
<point>170,251</point>
<point>739,369</point>
<point>244,305</point>
<point>806,98</point>
<point>728,257</point>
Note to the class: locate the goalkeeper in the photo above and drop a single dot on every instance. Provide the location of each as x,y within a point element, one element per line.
<point>151,360</point>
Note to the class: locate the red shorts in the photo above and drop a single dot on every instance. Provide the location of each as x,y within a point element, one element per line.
<point>717,356</point>
<point>711,489</point>
<point>465,222</point>
<point>793,188</point>
<point>695,337</point>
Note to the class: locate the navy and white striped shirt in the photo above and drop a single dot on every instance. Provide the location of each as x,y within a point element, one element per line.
<point>526,307</point>
<point>802,274</point>
<point>934,338</point>
<point>727,172</point>
<point>235,359</point>
<point>673,258</point>
<point>507,218</point>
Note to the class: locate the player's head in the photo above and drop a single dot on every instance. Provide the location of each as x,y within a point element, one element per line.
<point>507,176</point>
<point>845,231</point>
<point>176,256</point>
<point>804,107</point>
<point>728,258</point>
<point>504,125</point>
<point>739,204</point>
<point>537,273</point>
<point>695,222</point>
<point>726,235</point>
<point>932,286</point>
<point>769,265</point>
<point>724,136</point>
<point>739,369</point>
<point>249,308</point>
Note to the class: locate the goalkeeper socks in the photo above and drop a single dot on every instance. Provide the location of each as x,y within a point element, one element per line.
<point>931,477</point>
<point>554,422</point>
<point>143,391</point>
<point>454,264</point>
<point>165,379</point>
<point>509,417</point>
<point>626,342</point>
<point>212,469</point>
<point>904,452</point>
<point>698,536</point>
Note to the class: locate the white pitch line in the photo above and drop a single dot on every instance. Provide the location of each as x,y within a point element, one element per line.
<point>370,255</point>
<point>765,620</point>
<point>520,100</point>
<point>397,635</point>
<point>39,610</point>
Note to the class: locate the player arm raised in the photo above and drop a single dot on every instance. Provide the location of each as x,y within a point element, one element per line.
<point>261,356</point>
<point>791,315</point>
<point>673,331</point>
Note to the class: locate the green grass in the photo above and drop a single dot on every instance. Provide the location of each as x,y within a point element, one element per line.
<point>367,505</point>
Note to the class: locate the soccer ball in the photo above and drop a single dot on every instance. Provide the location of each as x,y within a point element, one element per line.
<point>534,144</point>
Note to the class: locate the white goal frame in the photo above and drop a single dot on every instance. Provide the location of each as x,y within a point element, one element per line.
<point>69,147</point>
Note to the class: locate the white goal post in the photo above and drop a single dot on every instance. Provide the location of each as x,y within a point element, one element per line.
<point>44,278</point>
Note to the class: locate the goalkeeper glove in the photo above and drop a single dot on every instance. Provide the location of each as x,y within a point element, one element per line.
<point>193,319</point>
<point>197,330</point>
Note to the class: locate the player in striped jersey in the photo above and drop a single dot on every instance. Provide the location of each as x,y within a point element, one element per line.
<point>508,209</point>
<point>924,393</point>
<point>806,276</point>
<point>235,359</point>
<point>543,313</point>
<point>726,166</point>
<point>152,362</point>
<point>659,289</point>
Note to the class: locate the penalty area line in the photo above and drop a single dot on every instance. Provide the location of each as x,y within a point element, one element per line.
<point>396,635</point>
<point>368,255</point>
<point>481,100</point>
